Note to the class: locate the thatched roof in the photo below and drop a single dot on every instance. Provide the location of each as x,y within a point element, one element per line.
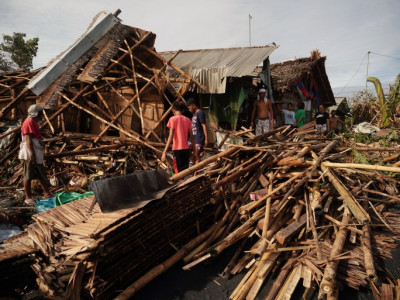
<point>286,74</point>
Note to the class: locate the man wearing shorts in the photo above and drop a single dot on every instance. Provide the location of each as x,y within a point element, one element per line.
<point>199,127</point>
<point>180,128</point>
<point>321,119</point>
<point>262,109</point>
<point>31,153</point>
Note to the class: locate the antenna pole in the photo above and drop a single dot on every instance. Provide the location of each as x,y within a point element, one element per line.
<point>250,17</point>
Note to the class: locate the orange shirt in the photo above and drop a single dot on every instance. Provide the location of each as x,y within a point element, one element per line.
<point>181,126</point>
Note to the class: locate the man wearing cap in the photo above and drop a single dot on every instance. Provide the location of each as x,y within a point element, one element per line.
<point>262,108</point>
<point>31,153</point>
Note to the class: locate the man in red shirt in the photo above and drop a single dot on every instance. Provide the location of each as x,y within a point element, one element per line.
<point>180,128</point>
<point>31,153</point>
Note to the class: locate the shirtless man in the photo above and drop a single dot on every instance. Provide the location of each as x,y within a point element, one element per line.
<point>262,107</point>
<point>333,122</point>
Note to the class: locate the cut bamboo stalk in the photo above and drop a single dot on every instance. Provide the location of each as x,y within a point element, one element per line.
<point>328,283</point>
<point>238,174</point>
<point>362,166</point>
<point>252,205</point>
<point>368,257</point>
<point>202,164</point>
<point>290,284</point>
<point>348,198</point>
<point>265,228</point>
<point>262,275</point>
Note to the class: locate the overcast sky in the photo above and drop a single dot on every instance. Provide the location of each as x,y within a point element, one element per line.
<point>344,31</point>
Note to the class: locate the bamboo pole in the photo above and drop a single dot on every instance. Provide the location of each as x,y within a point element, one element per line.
<point>368,257</point>
<point>112,125</point>
<point>85,151</point>
<point>131,101</point>
<point>161,268</point>
<point>163,117</point>
<point>136,85</point>
<point>362,166</point>
<point>283,274</point>
<point>348,198</point>
<point>238,174</point>
<point>328,283</point>
<point>252,205</point>
<point>202,164</point>
<point>263,243</point>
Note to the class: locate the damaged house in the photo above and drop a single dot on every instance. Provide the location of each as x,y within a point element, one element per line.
<point>111,81</point>
<point>302,79</point>
<point>228,75</point>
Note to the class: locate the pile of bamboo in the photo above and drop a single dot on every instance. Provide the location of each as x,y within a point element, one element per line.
<point>317,217</point>
<point>71,161</point>
<point>84,252</point>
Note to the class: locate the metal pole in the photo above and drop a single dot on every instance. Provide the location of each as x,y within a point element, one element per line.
<point>366,81</point>
<point>250,17</point>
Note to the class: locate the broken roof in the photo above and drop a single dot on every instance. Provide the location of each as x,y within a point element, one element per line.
<point>212,66</point>
<point>287,73</point>
<point>93,50</point>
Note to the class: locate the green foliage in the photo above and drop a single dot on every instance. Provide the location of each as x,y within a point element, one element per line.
<point>16,52</point>
<point>359,158</point>
<point>391,138</point>
<point>359,137</point>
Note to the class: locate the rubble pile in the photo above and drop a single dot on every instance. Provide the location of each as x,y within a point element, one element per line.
<point>81,251</point>
<point>301,210</point>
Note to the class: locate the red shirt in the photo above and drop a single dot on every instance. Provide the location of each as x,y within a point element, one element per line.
<point>31,126</point>
<point>181,126</point>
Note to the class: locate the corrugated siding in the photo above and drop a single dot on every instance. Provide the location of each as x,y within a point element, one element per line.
<point>231,62</point>
<point>239,61</point>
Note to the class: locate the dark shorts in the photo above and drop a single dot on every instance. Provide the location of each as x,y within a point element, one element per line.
<point>199,148</point>
<point>181,160</point>
<point>33,171</point>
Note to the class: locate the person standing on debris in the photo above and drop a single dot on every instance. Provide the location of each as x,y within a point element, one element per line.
<point>262,108</point>
<point>31,153</point>
<point>321,119</point>
<point>300,115</point>
<point>180,128</point>
<point>199,127</point>
<point>288,115</point>
<point>333,122</point>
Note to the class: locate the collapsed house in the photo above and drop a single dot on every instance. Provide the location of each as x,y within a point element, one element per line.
<point>302,79</point>
<point>111,81</point>
<point>109,89</point>
<point>229,76</point>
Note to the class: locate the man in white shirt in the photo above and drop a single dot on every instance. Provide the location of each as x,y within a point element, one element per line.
<point>289,115</point>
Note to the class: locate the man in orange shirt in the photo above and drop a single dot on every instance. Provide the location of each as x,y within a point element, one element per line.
<point>180,129</point>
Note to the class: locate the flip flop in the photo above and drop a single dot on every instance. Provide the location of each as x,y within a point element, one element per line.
<point>30,202</point>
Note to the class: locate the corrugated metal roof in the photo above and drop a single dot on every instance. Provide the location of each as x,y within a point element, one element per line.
<point>238,61</point>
